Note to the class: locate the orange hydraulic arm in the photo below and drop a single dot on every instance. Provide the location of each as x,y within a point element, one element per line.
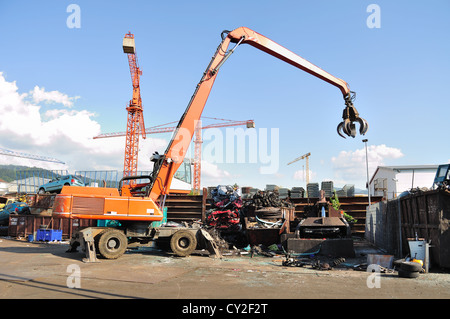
<point>166,165</point>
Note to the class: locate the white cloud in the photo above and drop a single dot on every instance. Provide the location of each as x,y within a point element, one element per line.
<point>39,95</point>
<point>300,175</point>
<point>213,172</point>
<point>351,166</point>
<point>146,149</point>
<point>58,133</point>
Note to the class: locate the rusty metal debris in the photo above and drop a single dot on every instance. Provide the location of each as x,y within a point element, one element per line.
<point>268,199</point>
<point>312,262</point>
<point>270,251</point>
<point>227,207</point>
<point>338,261</point>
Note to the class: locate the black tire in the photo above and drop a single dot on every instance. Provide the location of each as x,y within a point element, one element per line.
<point>41,191</point>
<point>408,274</point>
<point>398,262</point>
<point>183,243</point>
<point>112,244</point>
<point>410,266</point>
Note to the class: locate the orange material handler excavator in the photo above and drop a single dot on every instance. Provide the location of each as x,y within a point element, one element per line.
<point>136,207</point>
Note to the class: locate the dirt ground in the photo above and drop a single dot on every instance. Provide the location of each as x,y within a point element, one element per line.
<point>36,270</point>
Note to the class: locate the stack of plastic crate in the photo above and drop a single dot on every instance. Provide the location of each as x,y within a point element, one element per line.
<point>283,193</point>
<point>327,187</point>
<point>312,189</point>
<point>271,188</point>
<point>297,192</point>
<point>349,189</point>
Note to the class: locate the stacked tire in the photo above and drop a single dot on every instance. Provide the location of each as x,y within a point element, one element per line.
<point>409,269</point>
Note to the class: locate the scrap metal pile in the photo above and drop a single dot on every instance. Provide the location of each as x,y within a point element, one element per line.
<point>227,206</point>
<point>9,206</point>
<point>267,210</point>
<point>231,218</point>
<point>229,209</point>
<point>314,263</point>
<point>268,199</point>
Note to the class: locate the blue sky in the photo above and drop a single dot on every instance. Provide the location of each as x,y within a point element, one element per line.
<point>62,85</point>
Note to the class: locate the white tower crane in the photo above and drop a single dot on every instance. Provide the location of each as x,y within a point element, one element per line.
<point>307,164</point>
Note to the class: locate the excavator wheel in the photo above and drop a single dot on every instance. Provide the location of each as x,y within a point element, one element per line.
<point>183,243</point>
<point>112,244</point>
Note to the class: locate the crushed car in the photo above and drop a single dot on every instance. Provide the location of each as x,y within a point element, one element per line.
<point>56,184</point>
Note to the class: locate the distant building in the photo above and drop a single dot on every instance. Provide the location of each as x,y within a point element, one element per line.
<point>3,187</point>
<point>27,185</point>
<point>391,181</point>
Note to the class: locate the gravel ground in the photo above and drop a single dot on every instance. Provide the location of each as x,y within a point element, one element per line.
<point>44,270</point>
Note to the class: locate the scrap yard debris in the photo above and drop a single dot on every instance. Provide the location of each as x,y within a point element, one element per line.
<point>312,262</point>
<point>226,214</point>
<point>229,209</point>
<point>230,218</point>
<point>269,199</point>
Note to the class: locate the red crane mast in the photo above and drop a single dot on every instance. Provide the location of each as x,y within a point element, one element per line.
<point>135,117</point>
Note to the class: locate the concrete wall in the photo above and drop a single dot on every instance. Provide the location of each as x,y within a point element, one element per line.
<point>382,227</point>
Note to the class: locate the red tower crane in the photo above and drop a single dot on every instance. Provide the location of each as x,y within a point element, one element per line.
<point>135,118</point>
<point>197,140</point>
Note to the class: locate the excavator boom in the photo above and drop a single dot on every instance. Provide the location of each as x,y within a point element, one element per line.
<point>167,164</point>
<point>265,44</point>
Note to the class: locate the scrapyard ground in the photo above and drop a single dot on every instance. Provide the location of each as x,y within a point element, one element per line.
<point>45,270</point>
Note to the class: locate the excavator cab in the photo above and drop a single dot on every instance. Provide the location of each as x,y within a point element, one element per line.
<point>442,178</point>
<point>133,189</point>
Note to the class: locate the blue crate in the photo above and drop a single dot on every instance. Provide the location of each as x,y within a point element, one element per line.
<point>53,234</point>
<point>40,235</point>
<point>48,234</point>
